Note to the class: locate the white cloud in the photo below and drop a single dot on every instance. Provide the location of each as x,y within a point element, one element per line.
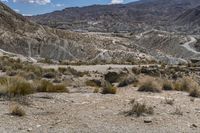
<point>117,1</point>
<point>17,10</point>
<point>59,5</point>
<point>40,2</point>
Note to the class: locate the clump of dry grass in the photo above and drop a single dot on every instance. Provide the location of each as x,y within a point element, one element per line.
<point>195,92</point>
<point>139,109</point>
<point>149,84</point>
<point>127,81</point>
<point>47,86</point>
<point>93,83</point>
<point>96,90</point>
<point>108,88</point>
<point>15,87</point>
<point>186,84</point>
<point>169,101</point>
<point>167,85</point>
<point>177,111</point>
<point>72,71</point>
<point>16,110</point>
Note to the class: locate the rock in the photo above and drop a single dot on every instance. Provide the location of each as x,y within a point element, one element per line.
<point>29,129</point>
<point>194,125</point>
<point>148,120</point>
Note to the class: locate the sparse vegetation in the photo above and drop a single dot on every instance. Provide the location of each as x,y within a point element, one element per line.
<point>127,81</point>
<point>195,92</point>
<point>93,83</point>
<point>185,84</point>
<point>49,75</point>
<point>113,77</point>
<point>16,110</point>
<point>108,88</point>
<point>167,85</point>
<point>169,101</point>
<point>177,111</point>
<point>47,86</point>
<point>15,87</point>
<point>96,90</point>
<point>149,84</point>
<point>139,109</point>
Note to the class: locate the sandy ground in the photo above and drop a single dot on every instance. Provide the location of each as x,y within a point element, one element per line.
<point>93,68</point>
<point>89,112</point>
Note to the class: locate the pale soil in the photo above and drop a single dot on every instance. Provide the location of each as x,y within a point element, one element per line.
<point>89,112</point>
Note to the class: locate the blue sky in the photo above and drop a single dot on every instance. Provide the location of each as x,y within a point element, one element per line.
<point>33,7</point>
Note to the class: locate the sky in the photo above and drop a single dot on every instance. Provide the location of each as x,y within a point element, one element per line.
<point>34,7</point>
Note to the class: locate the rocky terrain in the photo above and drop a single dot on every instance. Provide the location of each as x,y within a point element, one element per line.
<point>83,107</point>
<point>37,42</point>
<point>140,76</point>
<point>18,35</point>
<point>132,17</point>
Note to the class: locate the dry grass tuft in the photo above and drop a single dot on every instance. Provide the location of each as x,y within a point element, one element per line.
<point>195,93</point>
<point>15,87</point>
<point>167,85</point>
<point>186,84</point>
<point>139,109</point>
<point>149,84</point>
<point>93,83</point>
<point>127,81</point>
<point>108,88</point>
<point>169,101</point>
<point>16,110</point>
<point>47,86</point>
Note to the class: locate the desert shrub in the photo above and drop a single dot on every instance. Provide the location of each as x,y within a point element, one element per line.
<point>28,75</point>
<point>139,109</point>
<point>112,77</point>
<point>62,70</point>
<point>136,70</point>
<point>167,85</point>
<point>185,84</point>
<point>16,110</point>
<point>11,73</point>
<point>195,92</point>
<point>49,75</point>
<point>177,111</point>
<point>169,101</point>
<point>47,86</point>
<point>19,87</point>
<point>108,88</point>
<point>96,90</point>
<point>15,87</point>
<point>41,86</point>
<point>47,61</point>
<point>93,83</point>
<point>149,84</point>
<point>35,69</point>
<point>127,81</point>
<point>73,71</point>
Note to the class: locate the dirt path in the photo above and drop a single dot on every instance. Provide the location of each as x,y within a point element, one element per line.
<point>99,68</point>
<point>187,45</point>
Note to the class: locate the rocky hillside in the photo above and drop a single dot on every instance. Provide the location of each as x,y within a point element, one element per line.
<point>190,17</point>
<point>18,35</point>
<point>136,16</point>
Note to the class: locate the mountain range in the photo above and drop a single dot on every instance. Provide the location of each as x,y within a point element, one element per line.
<point>139,32</point>
<point>131,17</point>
